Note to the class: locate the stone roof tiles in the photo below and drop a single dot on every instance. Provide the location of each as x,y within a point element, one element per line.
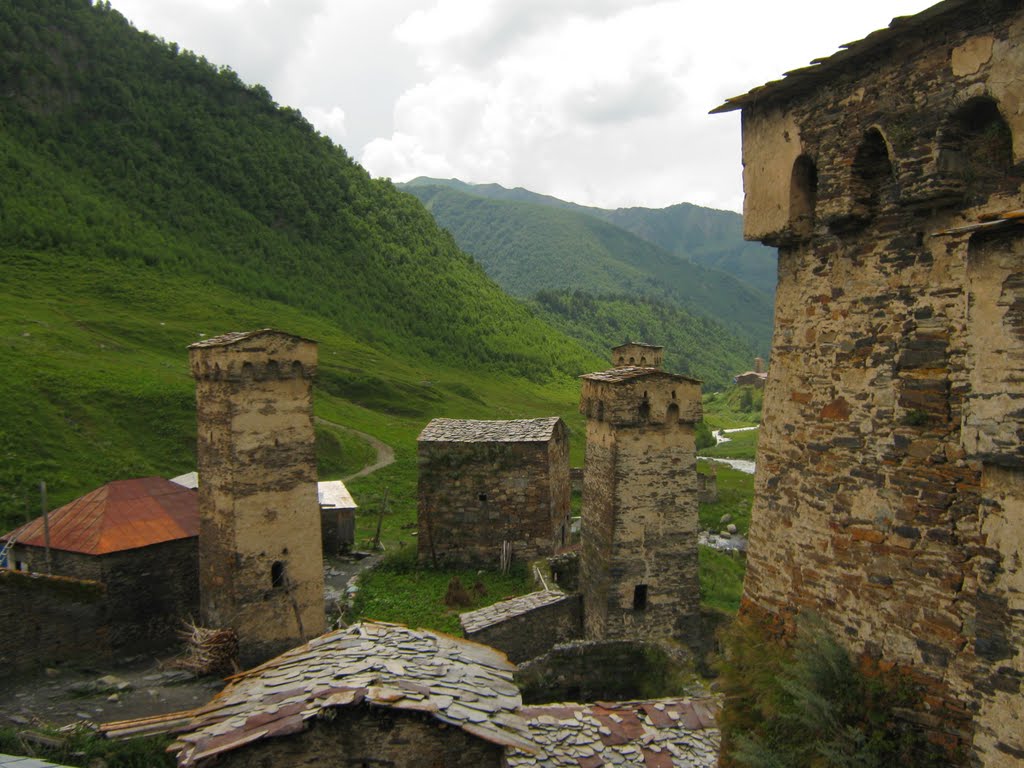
<point>474,621</point>
<point>662,733</point>
<point>456,681</point>
<point>473,431</point>
<point>625,373</point>
<point>638,344</point>
<point>118,516</point>
<point>850,56</point>
<point>227,339</point>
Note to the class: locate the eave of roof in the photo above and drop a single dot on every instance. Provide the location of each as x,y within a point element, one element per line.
<point>801,79</point>
<point>234,337</point>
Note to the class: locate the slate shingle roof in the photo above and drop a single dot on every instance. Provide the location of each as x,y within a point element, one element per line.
<point>234,337</point>
<point>663,733</point>
<point>473,431</point>
<point>474,621</point>
<point>122,515</point>
<point>458,682</point>
<point>625,373</point>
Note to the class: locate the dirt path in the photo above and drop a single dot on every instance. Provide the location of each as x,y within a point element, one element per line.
<point>385,453</point>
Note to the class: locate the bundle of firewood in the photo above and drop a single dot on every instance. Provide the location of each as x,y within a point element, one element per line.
<point>208,651</point>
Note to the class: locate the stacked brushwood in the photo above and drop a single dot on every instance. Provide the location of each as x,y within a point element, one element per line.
<point>208,651</point>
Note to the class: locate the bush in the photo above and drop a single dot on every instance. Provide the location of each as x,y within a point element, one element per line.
<point>808,705</point>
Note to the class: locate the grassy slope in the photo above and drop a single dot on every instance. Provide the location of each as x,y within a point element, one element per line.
<point>127,233</point>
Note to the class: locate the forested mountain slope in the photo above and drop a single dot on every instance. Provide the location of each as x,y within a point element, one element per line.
<point>149,197</point>
<point>706,236</point>
<point>529,247</point>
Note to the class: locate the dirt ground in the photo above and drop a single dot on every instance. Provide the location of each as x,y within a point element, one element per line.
<point>136,687</point>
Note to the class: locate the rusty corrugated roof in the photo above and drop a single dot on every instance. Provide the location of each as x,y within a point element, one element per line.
<point>124,514</point>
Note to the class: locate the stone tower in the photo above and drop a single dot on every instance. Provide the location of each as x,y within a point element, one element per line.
<point>889,494</point>
<point>639,528</point>
<point>635,353</point>
<point>260,561</point>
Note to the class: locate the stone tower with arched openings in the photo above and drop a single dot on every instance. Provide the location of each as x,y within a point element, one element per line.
<point>639,527</point>
<point>889,492</point>
<point>260,561</point>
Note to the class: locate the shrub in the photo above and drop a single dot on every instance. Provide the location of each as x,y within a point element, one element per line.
<point>808,704</point>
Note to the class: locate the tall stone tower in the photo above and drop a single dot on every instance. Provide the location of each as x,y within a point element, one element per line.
<point>260,561</point>
<point>636,353</point>
<point>639,528</point>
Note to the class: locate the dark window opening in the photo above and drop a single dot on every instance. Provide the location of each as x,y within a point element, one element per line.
<point>644,411</point>
<point>640,597</point>
<point>976,147</point>
<point>277,574</point>
<point>600,410</point>
<point>297,370</point>
<point>672,413</point>
<point>803,196</point>
<point>482,497</point>
<point>632,361</point>
<point>621,360</point>
<point>873,183</point>
<point>643,361</point>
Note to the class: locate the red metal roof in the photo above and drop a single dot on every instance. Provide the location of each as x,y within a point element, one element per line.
<point>124,514</point>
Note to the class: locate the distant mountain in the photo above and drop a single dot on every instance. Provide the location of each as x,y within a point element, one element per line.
<point>530,246</point>
<point>706,236</point>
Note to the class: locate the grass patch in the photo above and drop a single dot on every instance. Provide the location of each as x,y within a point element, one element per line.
<point>741,445</point>
<point>339,453</point>
<point>734,407</point>
<point>721,578</point>
<point>401,591</point>
<point>85,748</point>
<point>735,497</point>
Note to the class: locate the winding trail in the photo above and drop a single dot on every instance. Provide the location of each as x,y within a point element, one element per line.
<point>385,453</point>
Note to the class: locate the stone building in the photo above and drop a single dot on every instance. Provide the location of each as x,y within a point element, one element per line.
<point>136,540</point>
<point>890,472</point>
<point>638,354</point>
<point>485,484</point>
<point>260,560</point>
<point>639,529</point>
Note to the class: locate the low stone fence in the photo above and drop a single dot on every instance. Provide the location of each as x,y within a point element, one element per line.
<point>527,626</point>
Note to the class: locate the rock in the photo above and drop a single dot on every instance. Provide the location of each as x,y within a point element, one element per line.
<point>114,697</point>
<point>724,535</point>
<point>731,528</point>
<point>726,518</point>
<point>52,672</point>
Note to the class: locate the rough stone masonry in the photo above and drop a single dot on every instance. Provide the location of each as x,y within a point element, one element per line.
<point>890,473</point>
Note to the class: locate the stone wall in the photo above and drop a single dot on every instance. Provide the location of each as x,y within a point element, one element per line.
<point>890,473</point>
<point>369,736</point>
<point>149,592</point>
<point>473,496</point>
<point>535,632</point>
<point>49,620</point>
<point>260,550</point>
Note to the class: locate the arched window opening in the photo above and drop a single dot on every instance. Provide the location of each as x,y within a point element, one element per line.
<point>632,361</point>
<point>976,147</point>
<point>672,414</point>
<point>297,370</point>
<point>248,371</point>
<point>803,196</point>
<point>273,371</point>
<point>622,360</point>
<point>277,574</point>
<point>643,362</point>
<point>873,184</point>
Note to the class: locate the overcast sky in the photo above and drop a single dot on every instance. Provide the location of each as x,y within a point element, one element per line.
<point>601,102</point>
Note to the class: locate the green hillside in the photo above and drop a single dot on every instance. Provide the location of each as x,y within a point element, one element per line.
<point>528,247</point>
<point>150,198</point>
<point>705,236</point>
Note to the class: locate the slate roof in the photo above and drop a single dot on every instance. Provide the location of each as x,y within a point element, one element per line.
<point>850,55</point>
<point>456,681</point>
<point>481,618</point>
<point>662,733</point>
<point>625,373</point>
<point>234,337</point>
<point>471,431</point>
<point>122,515</point>
<point>637,344</point>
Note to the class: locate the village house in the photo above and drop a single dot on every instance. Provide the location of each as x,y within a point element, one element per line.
<point>890,474</point>
<point>491,491</point>
<point>384,694</point>
<point>136,538</point>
